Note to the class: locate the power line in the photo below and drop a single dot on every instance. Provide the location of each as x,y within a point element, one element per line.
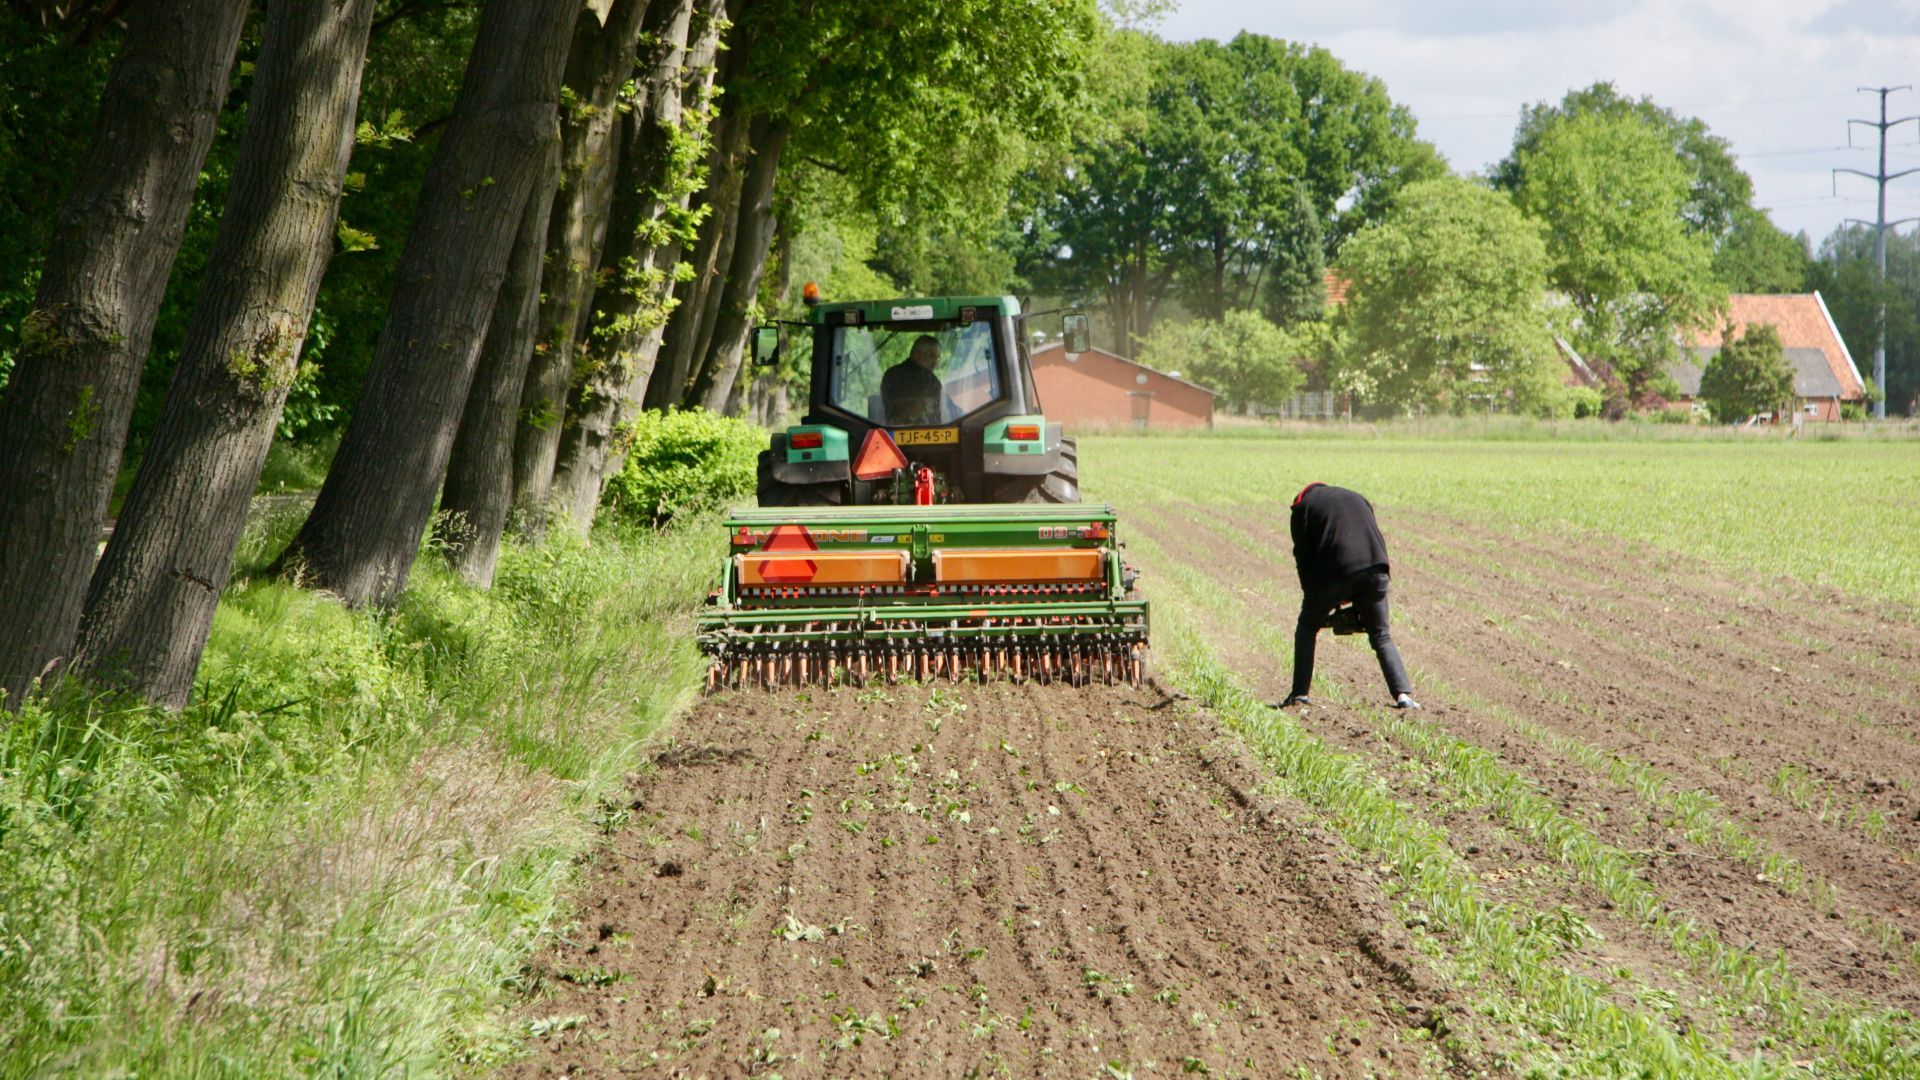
<point>1880,226</point>
<point>1514,114</point>
<point>1795,153</point>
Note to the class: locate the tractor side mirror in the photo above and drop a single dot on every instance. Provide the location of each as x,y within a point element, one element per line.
<point>1075,332</point>
<point>766,346</point>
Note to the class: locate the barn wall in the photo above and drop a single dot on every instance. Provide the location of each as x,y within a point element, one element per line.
<point>1098,391</point>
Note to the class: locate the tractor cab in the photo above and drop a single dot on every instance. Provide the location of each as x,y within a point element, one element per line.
<point>946,384</point>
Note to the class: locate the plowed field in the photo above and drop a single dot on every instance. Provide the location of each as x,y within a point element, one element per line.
<point>1660,817</point>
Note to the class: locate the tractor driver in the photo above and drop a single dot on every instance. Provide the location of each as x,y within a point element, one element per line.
<point>910,391</point>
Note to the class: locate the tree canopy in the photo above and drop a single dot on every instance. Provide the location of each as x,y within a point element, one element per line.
<point>1750,253</point>
<point>1247,359</point>
<point>1613,196</point>
<point>1446,303</point>
<point>1747,376</point>
<point>1219,177</point>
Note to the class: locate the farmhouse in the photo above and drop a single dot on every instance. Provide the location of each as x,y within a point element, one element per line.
<point>1101,389</point>
<point>1824,375</point>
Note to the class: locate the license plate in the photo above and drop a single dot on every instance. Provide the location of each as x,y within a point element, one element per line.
<point>933,436</point>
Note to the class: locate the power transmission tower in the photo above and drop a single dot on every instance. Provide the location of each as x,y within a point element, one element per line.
<point>1880,226</point>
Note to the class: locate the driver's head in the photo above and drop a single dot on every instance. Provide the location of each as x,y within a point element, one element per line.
<point>926,351</point>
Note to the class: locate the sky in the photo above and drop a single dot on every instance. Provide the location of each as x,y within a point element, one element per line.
<point>1777,78</point>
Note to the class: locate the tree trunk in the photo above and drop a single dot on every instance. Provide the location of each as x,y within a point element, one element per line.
<point>479,489</point>
<point>696,300</point>
<point>151,603</point>
<point>64,416</point>
<point>365,528</point>
<point>631,324</point>
<point>598,65</point>
<point>753,237</point>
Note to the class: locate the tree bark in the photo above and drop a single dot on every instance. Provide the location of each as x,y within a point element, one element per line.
<point>151,602</point>
<point>632,322</point>
<point>598,64</point>
<point>64,416</point>
<point>752,240</point>
<point>365,529</point>
<point>479,489</point>
<point>697,300</point>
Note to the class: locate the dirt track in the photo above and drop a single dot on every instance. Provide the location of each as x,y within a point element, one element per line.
<point>1040,881</point>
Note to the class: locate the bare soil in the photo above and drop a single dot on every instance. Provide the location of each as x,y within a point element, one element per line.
<point>1796,709</point>
<point>1037,881</point>
<point>974,880</point>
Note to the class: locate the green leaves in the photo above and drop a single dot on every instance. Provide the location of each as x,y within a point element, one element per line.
<point>1612,193</point>
<point>1446,303</point>
<point>1218,174</point>
<point>1747,376</point>
<point>1243,356</point>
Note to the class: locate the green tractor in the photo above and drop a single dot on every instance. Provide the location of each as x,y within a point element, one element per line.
<point>948,379</point>
<point>924,518</point>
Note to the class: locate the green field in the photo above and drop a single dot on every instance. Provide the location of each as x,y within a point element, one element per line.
<point>1843,513</point>
<point>341,858</point>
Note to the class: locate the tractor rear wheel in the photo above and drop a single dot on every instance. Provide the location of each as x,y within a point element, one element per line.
<point>771,492</point>
<point>1062,485</point>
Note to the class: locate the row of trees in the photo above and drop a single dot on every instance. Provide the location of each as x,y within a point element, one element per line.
<point>1613,230</point>
<point>589,216</point>
<point>471,239</point>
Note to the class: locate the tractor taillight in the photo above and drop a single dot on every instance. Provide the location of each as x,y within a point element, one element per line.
<point>806,440</point>
<point>1023,432</point>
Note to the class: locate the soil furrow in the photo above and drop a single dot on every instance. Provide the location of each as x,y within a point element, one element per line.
<point>1829,955</point>
<point>1045,884</point>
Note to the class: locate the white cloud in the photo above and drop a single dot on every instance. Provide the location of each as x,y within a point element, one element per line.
<point>1776,78</point>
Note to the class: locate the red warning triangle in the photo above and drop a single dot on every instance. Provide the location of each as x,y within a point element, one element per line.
<point>879,456</point>
<point>784,539</point>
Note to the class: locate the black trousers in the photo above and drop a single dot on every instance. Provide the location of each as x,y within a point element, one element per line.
<point>1368,592</point>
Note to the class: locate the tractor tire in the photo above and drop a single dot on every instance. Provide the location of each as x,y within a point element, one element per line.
<point>771,492</point>
<point>1062,485</point>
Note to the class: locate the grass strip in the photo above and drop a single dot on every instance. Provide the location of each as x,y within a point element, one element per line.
<point>336,860</point>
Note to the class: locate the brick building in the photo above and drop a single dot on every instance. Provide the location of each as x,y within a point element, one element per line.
<point>1099,389</point>
<point>1824,375</point>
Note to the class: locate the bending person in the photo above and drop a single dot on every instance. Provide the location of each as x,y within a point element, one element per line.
<point>1342,558</point>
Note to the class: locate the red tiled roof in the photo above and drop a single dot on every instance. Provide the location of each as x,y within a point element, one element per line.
<point>1803,322</point>
<point>1336,286</point>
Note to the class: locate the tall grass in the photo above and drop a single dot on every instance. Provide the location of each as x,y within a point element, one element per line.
<point>335,860</point>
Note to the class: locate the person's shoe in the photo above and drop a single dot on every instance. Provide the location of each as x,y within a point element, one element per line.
<point>1294,699</point>
<point>1405,701</point>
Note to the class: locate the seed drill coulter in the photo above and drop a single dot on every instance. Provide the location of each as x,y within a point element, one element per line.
<point>924,519</point>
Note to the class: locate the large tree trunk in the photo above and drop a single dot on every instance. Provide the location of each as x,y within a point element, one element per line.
<point>365,529</point>
<point>151,602</point>
<point>656,185</point>
<point>479,488</point>
<point>753,237</point>
<point>64,416</point>
<point>697,300</point>
<point>599,64</point>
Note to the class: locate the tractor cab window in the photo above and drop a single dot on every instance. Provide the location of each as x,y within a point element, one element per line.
<point>917,373</point>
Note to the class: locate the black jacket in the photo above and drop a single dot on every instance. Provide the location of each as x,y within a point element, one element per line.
<point>1334,535</point>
